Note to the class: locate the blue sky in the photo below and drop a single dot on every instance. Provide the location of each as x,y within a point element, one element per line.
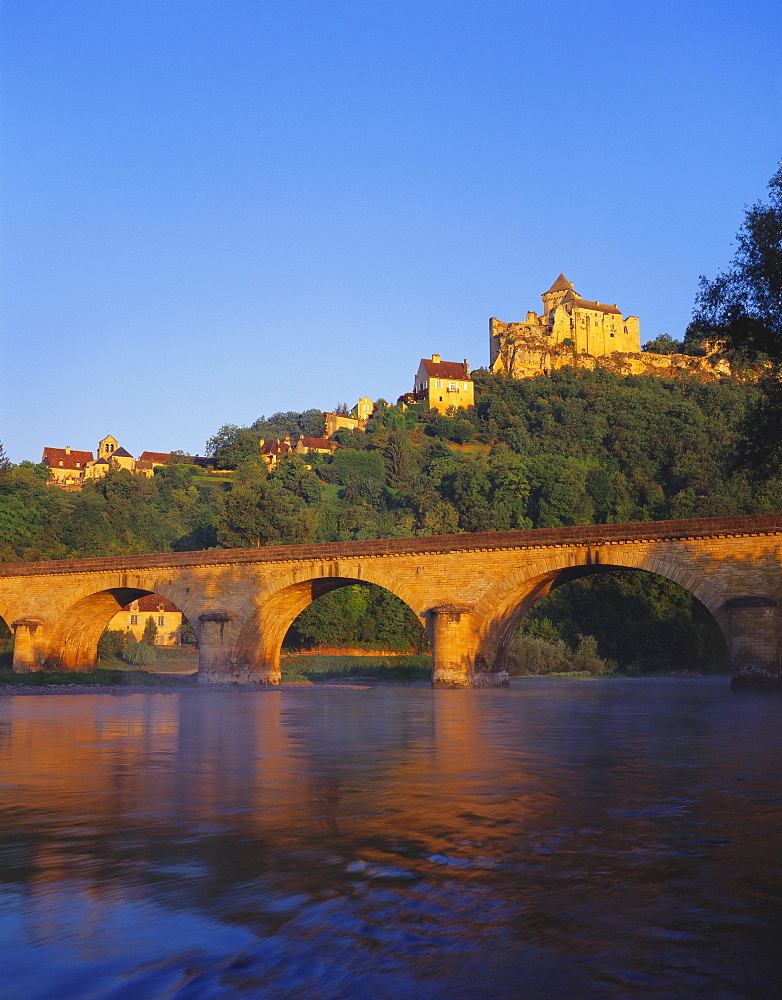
<point>217,209</point>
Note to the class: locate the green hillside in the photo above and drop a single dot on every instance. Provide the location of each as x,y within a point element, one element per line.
<point>575,447</point>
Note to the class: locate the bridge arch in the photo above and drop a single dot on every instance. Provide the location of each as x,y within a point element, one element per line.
<point>503,607</point>
<point>257,634</point>
<point>72,640</point>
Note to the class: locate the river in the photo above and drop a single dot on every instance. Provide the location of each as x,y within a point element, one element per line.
<point>561,839</point>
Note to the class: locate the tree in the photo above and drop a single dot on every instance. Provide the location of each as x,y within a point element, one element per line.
<point>743,309</point>
<point>399,458</point>
<point>295,475</point>
<point>664,344</point>
<point>264,513</point>
<point>310,423</point>
<point>5,465</point>
<point>743,306</point>
<point>233,445</point>
<point>110,644</point>
<point>348,463</point>
<point>149,635</point>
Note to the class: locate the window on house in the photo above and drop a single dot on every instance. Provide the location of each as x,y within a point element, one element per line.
<point>161,620</point>
<point>134,619</point>
<point>438,384</point>
<point>453,387</point>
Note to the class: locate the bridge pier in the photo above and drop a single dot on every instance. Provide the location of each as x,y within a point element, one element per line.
<point>26,654</point>
<point>217,666</point>
<point>454,646</point>
<point>755,632</point>
<point>214,665</point>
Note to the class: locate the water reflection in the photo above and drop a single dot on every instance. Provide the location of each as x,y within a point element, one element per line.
<point>599,839</point>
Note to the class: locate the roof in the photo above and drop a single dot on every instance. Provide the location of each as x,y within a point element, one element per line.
<point>121,453</point>
<point>446,369</point>
<point>154,602</point>
<point>560,285</point>
<point>154,456</point>
<point>58,458</point>
<point>598,306</point>
<point>276,446</point>
<point>324,443</point>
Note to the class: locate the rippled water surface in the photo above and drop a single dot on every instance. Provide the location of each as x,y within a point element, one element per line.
<point>560,839</point>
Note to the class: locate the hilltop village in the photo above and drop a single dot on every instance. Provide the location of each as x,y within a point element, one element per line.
<point>569,332</point>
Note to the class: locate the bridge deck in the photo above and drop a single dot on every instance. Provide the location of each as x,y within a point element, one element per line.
<point>593,534</point>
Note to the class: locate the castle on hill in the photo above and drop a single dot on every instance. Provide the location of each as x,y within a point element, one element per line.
<point>576,332</point>
<point>568,320</point>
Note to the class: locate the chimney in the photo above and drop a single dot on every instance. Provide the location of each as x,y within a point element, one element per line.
<point>466,367</point>
<point>67,449</point>
<point>436,358</point>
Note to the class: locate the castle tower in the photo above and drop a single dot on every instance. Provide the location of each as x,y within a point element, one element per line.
<point>555,294</point>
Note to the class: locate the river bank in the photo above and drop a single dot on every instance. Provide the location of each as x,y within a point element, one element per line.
<point>32,684</point>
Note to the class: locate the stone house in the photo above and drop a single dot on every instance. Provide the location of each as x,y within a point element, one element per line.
<point>166,616</point>
<point>357,419</point>
<point>318,446</point>
<point>273,449</point>
<point>442,384</point>
<point>66,466</point>
<point>147,460</point>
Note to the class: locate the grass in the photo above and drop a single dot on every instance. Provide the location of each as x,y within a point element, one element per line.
<point>164,665</point>
<point>393,669</point>
<point>112,673</point>
<point>567,674</point>
<point>97,678</point>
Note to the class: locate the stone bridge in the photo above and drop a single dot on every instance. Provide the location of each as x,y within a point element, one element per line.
<point>470,591</point>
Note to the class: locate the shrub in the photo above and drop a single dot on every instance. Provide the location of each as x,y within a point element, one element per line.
<point>586,658</point>
<point>533,655</point>
<point>139,653</point>
<point>110,644</point>
<point>530,655</point>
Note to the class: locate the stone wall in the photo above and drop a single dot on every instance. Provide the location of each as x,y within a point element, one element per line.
<point>525,355</point>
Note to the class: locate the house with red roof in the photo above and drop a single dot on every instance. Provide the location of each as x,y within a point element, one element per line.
<point>443,384</point>
<point>148,460</point>
<point>66,466</point>
<point>320,446</point>
<point>273,449</point>
<point>166,617</point>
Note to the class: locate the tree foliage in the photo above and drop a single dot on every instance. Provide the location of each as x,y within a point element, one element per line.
<point>150,633</point>
<point>361,615</point>
<point>742,306</point>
